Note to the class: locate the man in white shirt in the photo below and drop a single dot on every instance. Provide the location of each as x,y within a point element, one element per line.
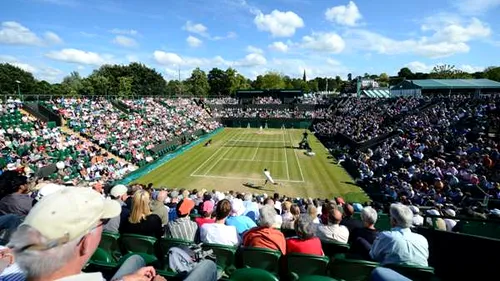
<point>267,174</point>
<point>333,231</point>
<point>218,232</point>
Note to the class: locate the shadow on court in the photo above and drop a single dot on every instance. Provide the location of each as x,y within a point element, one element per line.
<point>255,186</point>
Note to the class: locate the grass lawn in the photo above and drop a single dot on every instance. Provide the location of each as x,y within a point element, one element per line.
<point>238,157</point>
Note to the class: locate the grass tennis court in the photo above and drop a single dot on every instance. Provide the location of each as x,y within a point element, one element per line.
<point>238,156</point>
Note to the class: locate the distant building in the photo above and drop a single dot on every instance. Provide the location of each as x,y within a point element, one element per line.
<point>418,88</point>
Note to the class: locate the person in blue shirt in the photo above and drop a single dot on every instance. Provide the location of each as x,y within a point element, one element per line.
<point>400,245</point>
<point>237,219</point>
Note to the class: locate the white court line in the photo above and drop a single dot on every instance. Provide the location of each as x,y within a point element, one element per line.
<point>209,158</point>
<point>295,152</point>
<point>286,157</point>
<point>250,160</point>
<point>240,178</point>
<point>255,154</point>
<point>224,154</point>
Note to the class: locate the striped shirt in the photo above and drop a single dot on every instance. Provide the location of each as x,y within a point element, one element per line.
<point>182,228</point>
<point>13,273</point>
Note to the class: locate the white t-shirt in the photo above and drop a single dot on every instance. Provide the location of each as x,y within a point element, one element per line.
<point>217,233</point>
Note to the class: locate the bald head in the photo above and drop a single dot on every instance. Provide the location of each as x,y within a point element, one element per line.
<point>334,216</point>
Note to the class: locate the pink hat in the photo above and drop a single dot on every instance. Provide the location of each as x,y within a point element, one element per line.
<point>208,206</point>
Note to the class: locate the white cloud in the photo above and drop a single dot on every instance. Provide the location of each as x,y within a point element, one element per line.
<point>13,33</point>
<point>476,7</point>
<point>229,35</point>
<point>170,59</point>
<point>279,47</point>
<point>52,38</point>
<point>41,73</point>
<point>125,41</point>
<point>324,42</point>
<point>131,32</point>
<point>417,66</point>
<point>314,67</point>
<point>471,68</point>
<point>193,41</point>
<point>455,32</point>
<point>196,28</point>
<point>279,24</point>
<point>253,49</point>
<point>449,36</point>
<point>252,59</point>
<point>344,15</point>
<point>77,56</point>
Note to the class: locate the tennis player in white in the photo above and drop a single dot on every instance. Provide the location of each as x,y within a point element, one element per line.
<point>267,174</point>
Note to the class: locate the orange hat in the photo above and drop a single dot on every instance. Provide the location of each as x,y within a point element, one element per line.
<point>185,206</point>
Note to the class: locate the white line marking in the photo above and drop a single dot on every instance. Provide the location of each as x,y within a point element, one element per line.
<point>240,178</point>
<point>224,154</point>
<point>250,160</point>
<point>286,157</point>
<point>295,152</point>
<point>211,156</point>
<point>255,154</point>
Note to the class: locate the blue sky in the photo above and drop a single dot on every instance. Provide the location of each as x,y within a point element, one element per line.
<point>325,37</point>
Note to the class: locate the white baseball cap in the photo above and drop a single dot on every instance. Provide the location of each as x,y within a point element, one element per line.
<point>70,213</point>
<point>118,190</point>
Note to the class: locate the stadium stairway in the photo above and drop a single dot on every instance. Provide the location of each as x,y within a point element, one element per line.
<point>65,129</point>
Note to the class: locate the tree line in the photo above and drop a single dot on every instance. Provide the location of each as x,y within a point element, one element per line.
<point>137,79</point>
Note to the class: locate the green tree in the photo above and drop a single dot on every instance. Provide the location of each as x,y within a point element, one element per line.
<point>219,81</point>
<point>492,73</point>
<point>198,83</point>
<point>72,84</point>
<point>175,88</point>
<point>9,74</point>
<point>272,80</point>
<point>100,84</point>
<point>405,72</point>
<point>125,86</point>
<point>383,80</point>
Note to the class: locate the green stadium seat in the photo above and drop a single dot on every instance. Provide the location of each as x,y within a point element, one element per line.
<point>252,274</point>
<point>414,272</point>
<point>109,243</point>
<point>139,244</point>
<point>299,265</point>
<point>102,259</point>
<point>351,269</point>
<point>266,259</point>
<point>383,222</point>
<point>332,248</point>
<point>225,256</point>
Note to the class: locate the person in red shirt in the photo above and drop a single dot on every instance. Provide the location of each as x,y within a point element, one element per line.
<point>306,242</point>
<point>207,208</point>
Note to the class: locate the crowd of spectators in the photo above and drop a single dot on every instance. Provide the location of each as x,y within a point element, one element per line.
<point>222,100</point>
<point>288,225</point>
<point>267,100</point>
<point>443,157</point>
<point>29,145</point>
<point>132,135</point>
<point>363,119</point>
<point>252,112</point>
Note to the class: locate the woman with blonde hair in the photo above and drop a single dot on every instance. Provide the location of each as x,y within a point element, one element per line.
<point>141,220</point>
<point>290,222</point>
